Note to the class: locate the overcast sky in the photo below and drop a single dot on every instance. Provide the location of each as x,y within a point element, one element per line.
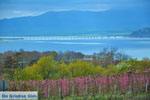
<point>18,8</point>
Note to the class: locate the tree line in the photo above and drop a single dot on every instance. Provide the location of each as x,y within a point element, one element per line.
<point>35,65</point>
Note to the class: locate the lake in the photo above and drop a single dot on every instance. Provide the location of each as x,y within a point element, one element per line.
<point>135,47</point>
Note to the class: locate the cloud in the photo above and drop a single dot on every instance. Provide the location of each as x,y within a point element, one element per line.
<point>82,7</point>
<point>17,12</point>
<point>16,8</point>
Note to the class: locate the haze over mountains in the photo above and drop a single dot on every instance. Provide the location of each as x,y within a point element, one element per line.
<point>64,23</point>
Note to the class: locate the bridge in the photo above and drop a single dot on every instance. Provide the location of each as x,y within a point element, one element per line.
<point>68,37</point>
<point>62,37</point>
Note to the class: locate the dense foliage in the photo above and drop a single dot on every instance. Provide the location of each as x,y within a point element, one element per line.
<point>128,84</point>
<point>11,62</point>
<point>74,75</point>
<point>47,68</point>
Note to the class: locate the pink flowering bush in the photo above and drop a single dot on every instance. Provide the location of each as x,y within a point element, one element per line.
<point>134,82</point>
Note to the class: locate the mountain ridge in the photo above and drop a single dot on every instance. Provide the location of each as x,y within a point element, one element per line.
<point>73,23</point>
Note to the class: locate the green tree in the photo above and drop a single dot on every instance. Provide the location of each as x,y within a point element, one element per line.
<point>63,71</point>
<point>47,66</point>
<point>81,68</point>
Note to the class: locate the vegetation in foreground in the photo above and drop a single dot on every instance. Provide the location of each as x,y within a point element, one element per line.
<point>56,64</point>
<point>106,97</point>
<point>107,74</point>
<point>115,86</point>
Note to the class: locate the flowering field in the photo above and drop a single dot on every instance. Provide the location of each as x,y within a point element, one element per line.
<point>83,86</point>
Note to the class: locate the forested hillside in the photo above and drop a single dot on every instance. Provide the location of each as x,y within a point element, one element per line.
<point>144,32</point>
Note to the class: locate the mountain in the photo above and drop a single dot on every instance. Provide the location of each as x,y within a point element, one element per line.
<point>144,32</point>
<point>74,23</point>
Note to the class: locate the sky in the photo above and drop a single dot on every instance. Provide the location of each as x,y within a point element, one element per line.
<point>19,8</point>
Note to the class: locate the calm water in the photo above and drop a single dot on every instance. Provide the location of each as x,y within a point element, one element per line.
<point>137,48</point>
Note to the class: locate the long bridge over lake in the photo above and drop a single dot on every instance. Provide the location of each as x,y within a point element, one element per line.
<point>62,37</point>
<point>66,38</point>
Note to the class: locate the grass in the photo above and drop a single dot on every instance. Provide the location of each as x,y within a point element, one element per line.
<point>144,96</point>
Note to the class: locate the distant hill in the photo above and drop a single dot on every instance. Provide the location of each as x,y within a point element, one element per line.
<point>74,23</point>
<point>145,32</point>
